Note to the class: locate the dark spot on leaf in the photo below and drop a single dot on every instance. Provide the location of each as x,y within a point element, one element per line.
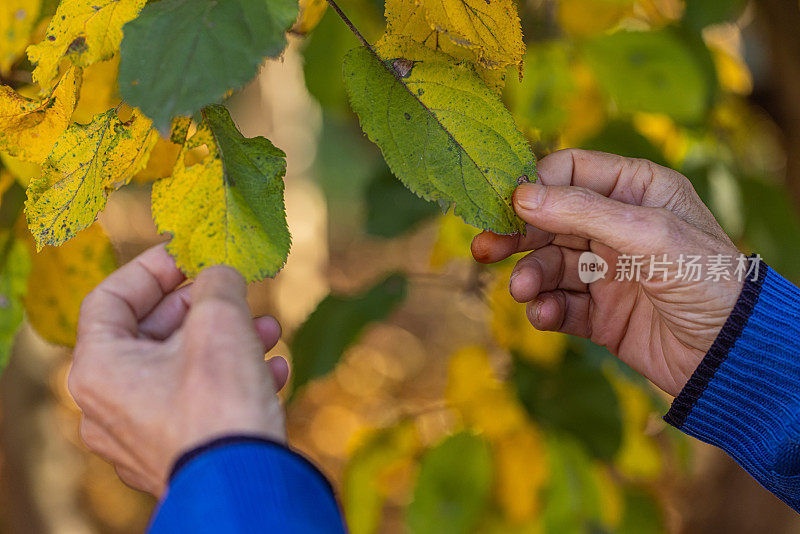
<point>408,117</point>
<point>523,179</point>
<point>78,46</point>
<point>420,91</point>
<point>403,67</point>
<point>51,37</point>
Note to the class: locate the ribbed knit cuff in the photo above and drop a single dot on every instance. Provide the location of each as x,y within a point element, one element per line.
<point>725,341</point>
<point>745,395</point>
<point>246,484</point>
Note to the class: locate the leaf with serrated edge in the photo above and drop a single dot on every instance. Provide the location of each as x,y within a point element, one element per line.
<point>85,31</point>
<point>181,55</point>
<point>443,133</point>
<point>490,29</point>
<point>28,128</point>
<point>87,163</point>
<point>228,209</point>
<point>407,19</point>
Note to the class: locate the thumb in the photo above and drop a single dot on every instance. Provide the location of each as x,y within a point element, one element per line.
<point>220,285</point>
<point>582,212</point>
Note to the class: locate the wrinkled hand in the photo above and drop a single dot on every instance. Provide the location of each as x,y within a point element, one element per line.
<point>612,205</point>
<point>159,370</point>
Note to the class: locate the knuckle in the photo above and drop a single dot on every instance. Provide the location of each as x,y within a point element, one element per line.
<point>76,385</point>
<point>578,200</point>
<point>664,225</point>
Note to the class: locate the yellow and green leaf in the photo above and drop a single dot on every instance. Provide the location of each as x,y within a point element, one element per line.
<point>443,133</point>
<point>87,163</point>
<point>228,209</point>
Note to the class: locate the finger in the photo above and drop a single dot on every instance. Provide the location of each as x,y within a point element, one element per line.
<point>168,315</point>
<point>545,269</point>
<point>98,440</point>
<point>629,180</point>
<point>268,329</point>
<point>562,311</point>
<point>488,247</point>
<point>130,293</point>
<point>220,283</point>
<point>587,214</point>
<point>279,368</point>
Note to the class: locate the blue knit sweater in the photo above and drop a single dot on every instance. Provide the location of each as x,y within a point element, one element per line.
<point>744,398</point>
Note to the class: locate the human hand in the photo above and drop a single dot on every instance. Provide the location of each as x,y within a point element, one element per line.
<point>159,370</point>
<point>614,206</point>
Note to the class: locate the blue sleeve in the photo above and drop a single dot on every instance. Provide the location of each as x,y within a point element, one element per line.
<point>243,484</point>
<point>745,395</point>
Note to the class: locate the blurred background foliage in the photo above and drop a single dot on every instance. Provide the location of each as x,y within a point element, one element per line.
<point>418,384</point>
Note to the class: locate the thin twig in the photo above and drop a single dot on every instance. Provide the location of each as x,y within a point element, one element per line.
<point>349,23</point>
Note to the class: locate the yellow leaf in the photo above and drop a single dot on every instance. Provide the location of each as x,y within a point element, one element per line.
<point>60,279</point>
<point>520,473</point>
<point>662,131</point>
<point>17,18</point>
<point>6,181</point>
<point>639,456</point>
<point>85,31</point>
<point>98,90</point>
<point>590,17</point>
<point>483,402</point>
<point>513,331</point>
<point>490,30</point>
<point>311,12</point>
<point>28,128</point>
<point>611,503</point>
<point>161,162</point>
<point>23,171</point>
<point>86,164</point>
<point>405,21</point>
<point>453,241</point>
<point>732,71</point>
<point>586,108</point>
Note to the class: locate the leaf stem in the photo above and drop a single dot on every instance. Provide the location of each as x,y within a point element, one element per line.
<point>349,23</point>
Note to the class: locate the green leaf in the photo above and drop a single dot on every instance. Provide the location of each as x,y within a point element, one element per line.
<point>642,513</point>
<point>181,55</point>
<point>655,71</point>
<point>326,47</point>
<point>337,323</point>
<point>15,265</point>
<point>442,132</point>
<point>362,494</point>
<point>619,137</point>
<point>575,398</point>
<point>572,502</point>
<point>227,209</point>
<point>391,209</point>
<point>772,225</point>
<point>702,13</point>
<point>453,487</point>
<point>540,99</point>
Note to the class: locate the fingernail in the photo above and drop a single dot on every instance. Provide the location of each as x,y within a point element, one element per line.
<point>514,274</point>
<point>529,196</point>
